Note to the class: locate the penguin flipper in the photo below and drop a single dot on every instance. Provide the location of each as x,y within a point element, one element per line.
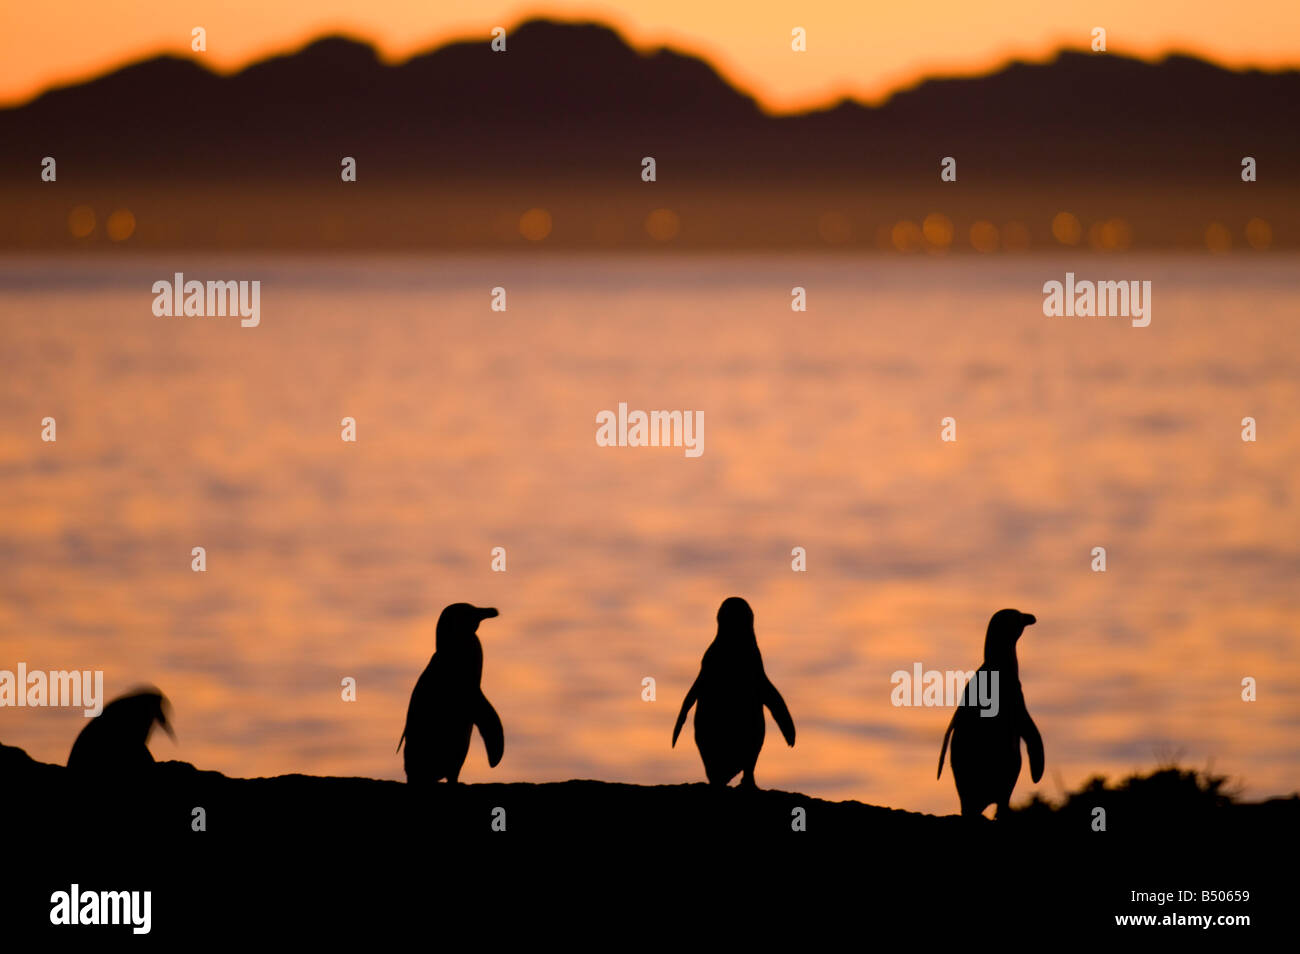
<point>489,726</point>
<point>776,705</point>
<point>1034,744</point>
<point>951,724</point>
<point>400,741</point>
<point>689,701</point>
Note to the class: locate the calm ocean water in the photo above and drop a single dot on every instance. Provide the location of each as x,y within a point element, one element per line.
<point>476,430</point>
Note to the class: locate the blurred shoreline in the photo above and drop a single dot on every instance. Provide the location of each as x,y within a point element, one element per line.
<point>338,217</point>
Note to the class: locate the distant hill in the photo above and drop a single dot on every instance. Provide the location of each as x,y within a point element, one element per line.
<point>574,101</point>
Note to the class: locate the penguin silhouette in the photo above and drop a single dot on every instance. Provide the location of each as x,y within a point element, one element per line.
<point>447,702</point>
<point>117,740</point>
<point>729,694</point>
<point>986,749</point>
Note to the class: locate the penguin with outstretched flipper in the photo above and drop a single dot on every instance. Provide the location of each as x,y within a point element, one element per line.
<point>729,695</point>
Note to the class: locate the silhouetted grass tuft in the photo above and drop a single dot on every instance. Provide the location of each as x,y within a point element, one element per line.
<point>1168,797</point>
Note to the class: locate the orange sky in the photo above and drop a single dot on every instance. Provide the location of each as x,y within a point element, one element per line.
<point>861,49</point>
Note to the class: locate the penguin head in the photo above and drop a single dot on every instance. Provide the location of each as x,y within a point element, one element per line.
<point>1005,628</point>
<point>460,620</point>
<point>135,714</point>
<point>735,618</point>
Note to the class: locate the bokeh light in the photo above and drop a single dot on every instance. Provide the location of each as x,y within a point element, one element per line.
<point>984,236</point>
<point>938,230</point>
<point>1217,238</point>
<point>81,221</point>
<point>1111,235</point>
<point>1259,234</point>
<point>906,236</point>
<point>120,225</point>
<point>535,224</point>
<point>1066,228</point>
<point>662,225</point>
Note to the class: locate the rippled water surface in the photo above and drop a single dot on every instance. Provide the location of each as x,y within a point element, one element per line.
<point>476,430</point>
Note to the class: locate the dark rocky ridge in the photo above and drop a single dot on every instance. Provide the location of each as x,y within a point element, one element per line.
<point>309,855</point>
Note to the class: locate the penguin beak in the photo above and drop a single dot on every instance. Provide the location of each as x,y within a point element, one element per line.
<point>1028,619</point>
<point>486,612</point>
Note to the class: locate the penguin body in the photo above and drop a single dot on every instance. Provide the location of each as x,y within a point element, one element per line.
<point>117,740</point>
<point>448,702</point>
<point>986,749</point>
<point>729,695</point>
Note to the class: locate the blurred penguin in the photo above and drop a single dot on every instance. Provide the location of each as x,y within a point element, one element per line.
<point>117,740</point>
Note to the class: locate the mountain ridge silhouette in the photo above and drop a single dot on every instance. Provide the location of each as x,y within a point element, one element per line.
<point>577,100</point>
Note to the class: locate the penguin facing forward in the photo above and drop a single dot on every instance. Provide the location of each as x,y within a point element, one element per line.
<point>117,740</point>
<point>986,748</point>
<point>729,695</point>
<point>447,702</point>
